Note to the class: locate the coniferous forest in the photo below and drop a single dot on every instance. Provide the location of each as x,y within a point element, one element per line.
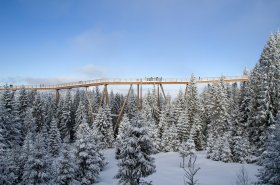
<point>45,140</point>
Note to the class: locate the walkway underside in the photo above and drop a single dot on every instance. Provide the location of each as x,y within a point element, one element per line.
<point>144,81</point>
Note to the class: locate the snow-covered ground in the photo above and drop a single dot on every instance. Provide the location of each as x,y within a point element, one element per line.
<point>169,171</point>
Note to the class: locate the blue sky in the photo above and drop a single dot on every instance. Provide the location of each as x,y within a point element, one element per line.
<point>54,41</point>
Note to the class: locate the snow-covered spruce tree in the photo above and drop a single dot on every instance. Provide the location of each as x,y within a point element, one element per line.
<point>22,107</point>
<point>206,114</point>
<point>219,119</point>
<point>150,123</point>
<point>183,126</point>
<point>131,108</point>
<point>152,101</point>
<point>241,150</point>
<point>194,110</point>
<point>26,151</point>
<point>226,155</point>
<point>65,125</point>
<point>10,120</point>
<point>135,159</point>
<point>11,171</point>
<point>37,168</point>
<point>196,132</point>
<point>166,117</point>
<point>125,123</point>
<point>67,168</point>
<point>179,105</point>
<point>210,145</point>
<point>221,149</point>
<point>99,147</point>
<point>54,139</point>
<point>105,128</point>
<point>269,174</point>
<point>86,155</point>
<point>244,100</point>
<point>96,99</point>
<point>264,93</point>
<point>110,130</point>
<point>3,149</point>
<point>37,113</point>
<point>170,140</point>
<point>116,105</point>
<point>79,116</point>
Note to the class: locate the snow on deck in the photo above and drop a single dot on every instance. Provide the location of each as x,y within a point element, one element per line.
<point>168,171</point>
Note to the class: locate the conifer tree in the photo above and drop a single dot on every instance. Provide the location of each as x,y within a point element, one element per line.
<point>37,113</point>
<point>170,140</point>
<point>67,168</point>
<point>184,126</point>
<point>37,168</point>
<point>65,125</point>
<point>87,156</point>
<point>135,159</point>
<point>125,123</point>
<point>104,126</point>
<point>269,174</point>
<point>54,139</point>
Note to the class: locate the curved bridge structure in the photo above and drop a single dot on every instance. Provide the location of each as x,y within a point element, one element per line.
<point>159,81</point>
<point>139,81</point>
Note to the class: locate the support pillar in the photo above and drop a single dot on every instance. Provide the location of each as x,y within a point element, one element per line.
<point>186,90</point>
<point>107,95</point>
<point>141,97</point>
<point>57,96</point>
<point>138,97</point>
<point>158,96</point>
<point>163,92</point>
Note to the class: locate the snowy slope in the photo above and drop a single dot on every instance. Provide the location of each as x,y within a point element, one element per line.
<point>169,172</point>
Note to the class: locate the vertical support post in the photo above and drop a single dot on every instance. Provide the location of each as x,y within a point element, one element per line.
<point>102,97</point>
<point>186,90</point>
<point>141,97</point>
<point>138,97</point>
<point>158,95</point>
<point>163,92</point>
<point>107,95</point>
<point>122,110</point>
<point>57,96</point>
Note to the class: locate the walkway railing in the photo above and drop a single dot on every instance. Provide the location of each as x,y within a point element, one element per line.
<point>119,81</point>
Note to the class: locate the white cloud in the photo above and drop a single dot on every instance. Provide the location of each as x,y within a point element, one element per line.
<point>92,71</point>
<point>97,43</point>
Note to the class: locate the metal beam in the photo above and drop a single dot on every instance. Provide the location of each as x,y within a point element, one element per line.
<point>163,92</point>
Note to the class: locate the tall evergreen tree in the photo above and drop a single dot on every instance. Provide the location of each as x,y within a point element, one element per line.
<point>87,156</point>
<point>104,126</point>
<point>37,113</point>
<point>184,126</point>
<point>135,159</point>
<point>67,168</point>
<point>269,174</point>
<point>264,93</point>
<point>37,168</point>
<point>54,139</point>
<point>66,125</point>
